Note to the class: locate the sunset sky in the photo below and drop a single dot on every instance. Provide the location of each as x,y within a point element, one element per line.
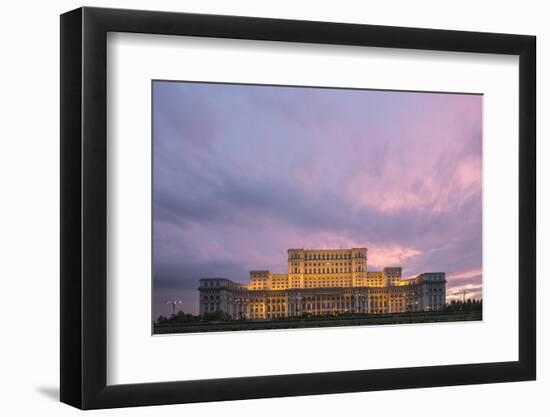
<point>242,173</point>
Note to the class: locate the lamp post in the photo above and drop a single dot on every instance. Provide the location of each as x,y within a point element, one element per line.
<point>239,302</point>
<point>173,304</point>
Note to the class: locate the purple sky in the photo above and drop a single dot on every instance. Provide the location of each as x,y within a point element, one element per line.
<point>241,173</point>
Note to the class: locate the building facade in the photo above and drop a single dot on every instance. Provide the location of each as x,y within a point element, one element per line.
<point>323,282</point>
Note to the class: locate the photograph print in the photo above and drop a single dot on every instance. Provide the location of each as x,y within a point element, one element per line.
<point>280,207</point>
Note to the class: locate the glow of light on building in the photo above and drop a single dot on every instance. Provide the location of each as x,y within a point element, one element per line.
<point>323,282</point>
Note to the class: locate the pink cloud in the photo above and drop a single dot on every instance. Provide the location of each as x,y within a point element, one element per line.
<point>471,274</point>
<point>467,292</point>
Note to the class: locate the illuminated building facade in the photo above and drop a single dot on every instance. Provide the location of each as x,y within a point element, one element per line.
<point>323,282</point>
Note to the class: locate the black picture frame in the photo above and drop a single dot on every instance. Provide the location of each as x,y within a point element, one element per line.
<point>84,207</point>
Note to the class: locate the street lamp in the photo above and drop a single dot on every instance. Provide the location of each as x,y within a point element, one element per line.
<point>173,304</point>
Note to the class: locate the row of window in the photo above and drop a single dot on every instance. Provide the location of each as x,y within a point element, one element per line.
<point>372,299</point>
<point>330,270</point>
<point>310,264</point>
<point>374,306</point>
<point>435,299</point>
<point>319,282</point>
<point>211,307</point>
<point>328,256</point>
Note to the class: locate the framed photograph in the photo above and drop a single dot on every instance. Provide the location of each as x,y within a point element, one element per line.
<point>257,207</point>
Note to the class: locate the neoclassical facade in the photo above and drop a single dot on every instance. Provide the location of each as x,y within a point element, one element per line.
<point>323,282</point>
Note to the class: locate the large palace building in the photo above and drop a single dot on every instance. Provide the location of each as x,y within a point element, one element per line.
<point>323,282</point>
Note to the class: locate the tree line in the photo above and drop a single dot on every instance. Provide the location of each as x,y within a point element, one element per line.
<point>468,305</point>
<point>181,317</point>
<point>454,306</point>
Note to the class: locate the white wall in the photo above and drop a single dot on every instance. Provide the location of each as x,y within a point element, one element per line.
<point>29,173</point>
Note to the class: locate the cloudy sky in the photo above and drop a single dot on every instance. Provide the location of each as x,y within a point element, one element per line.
<point>241,173</point>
